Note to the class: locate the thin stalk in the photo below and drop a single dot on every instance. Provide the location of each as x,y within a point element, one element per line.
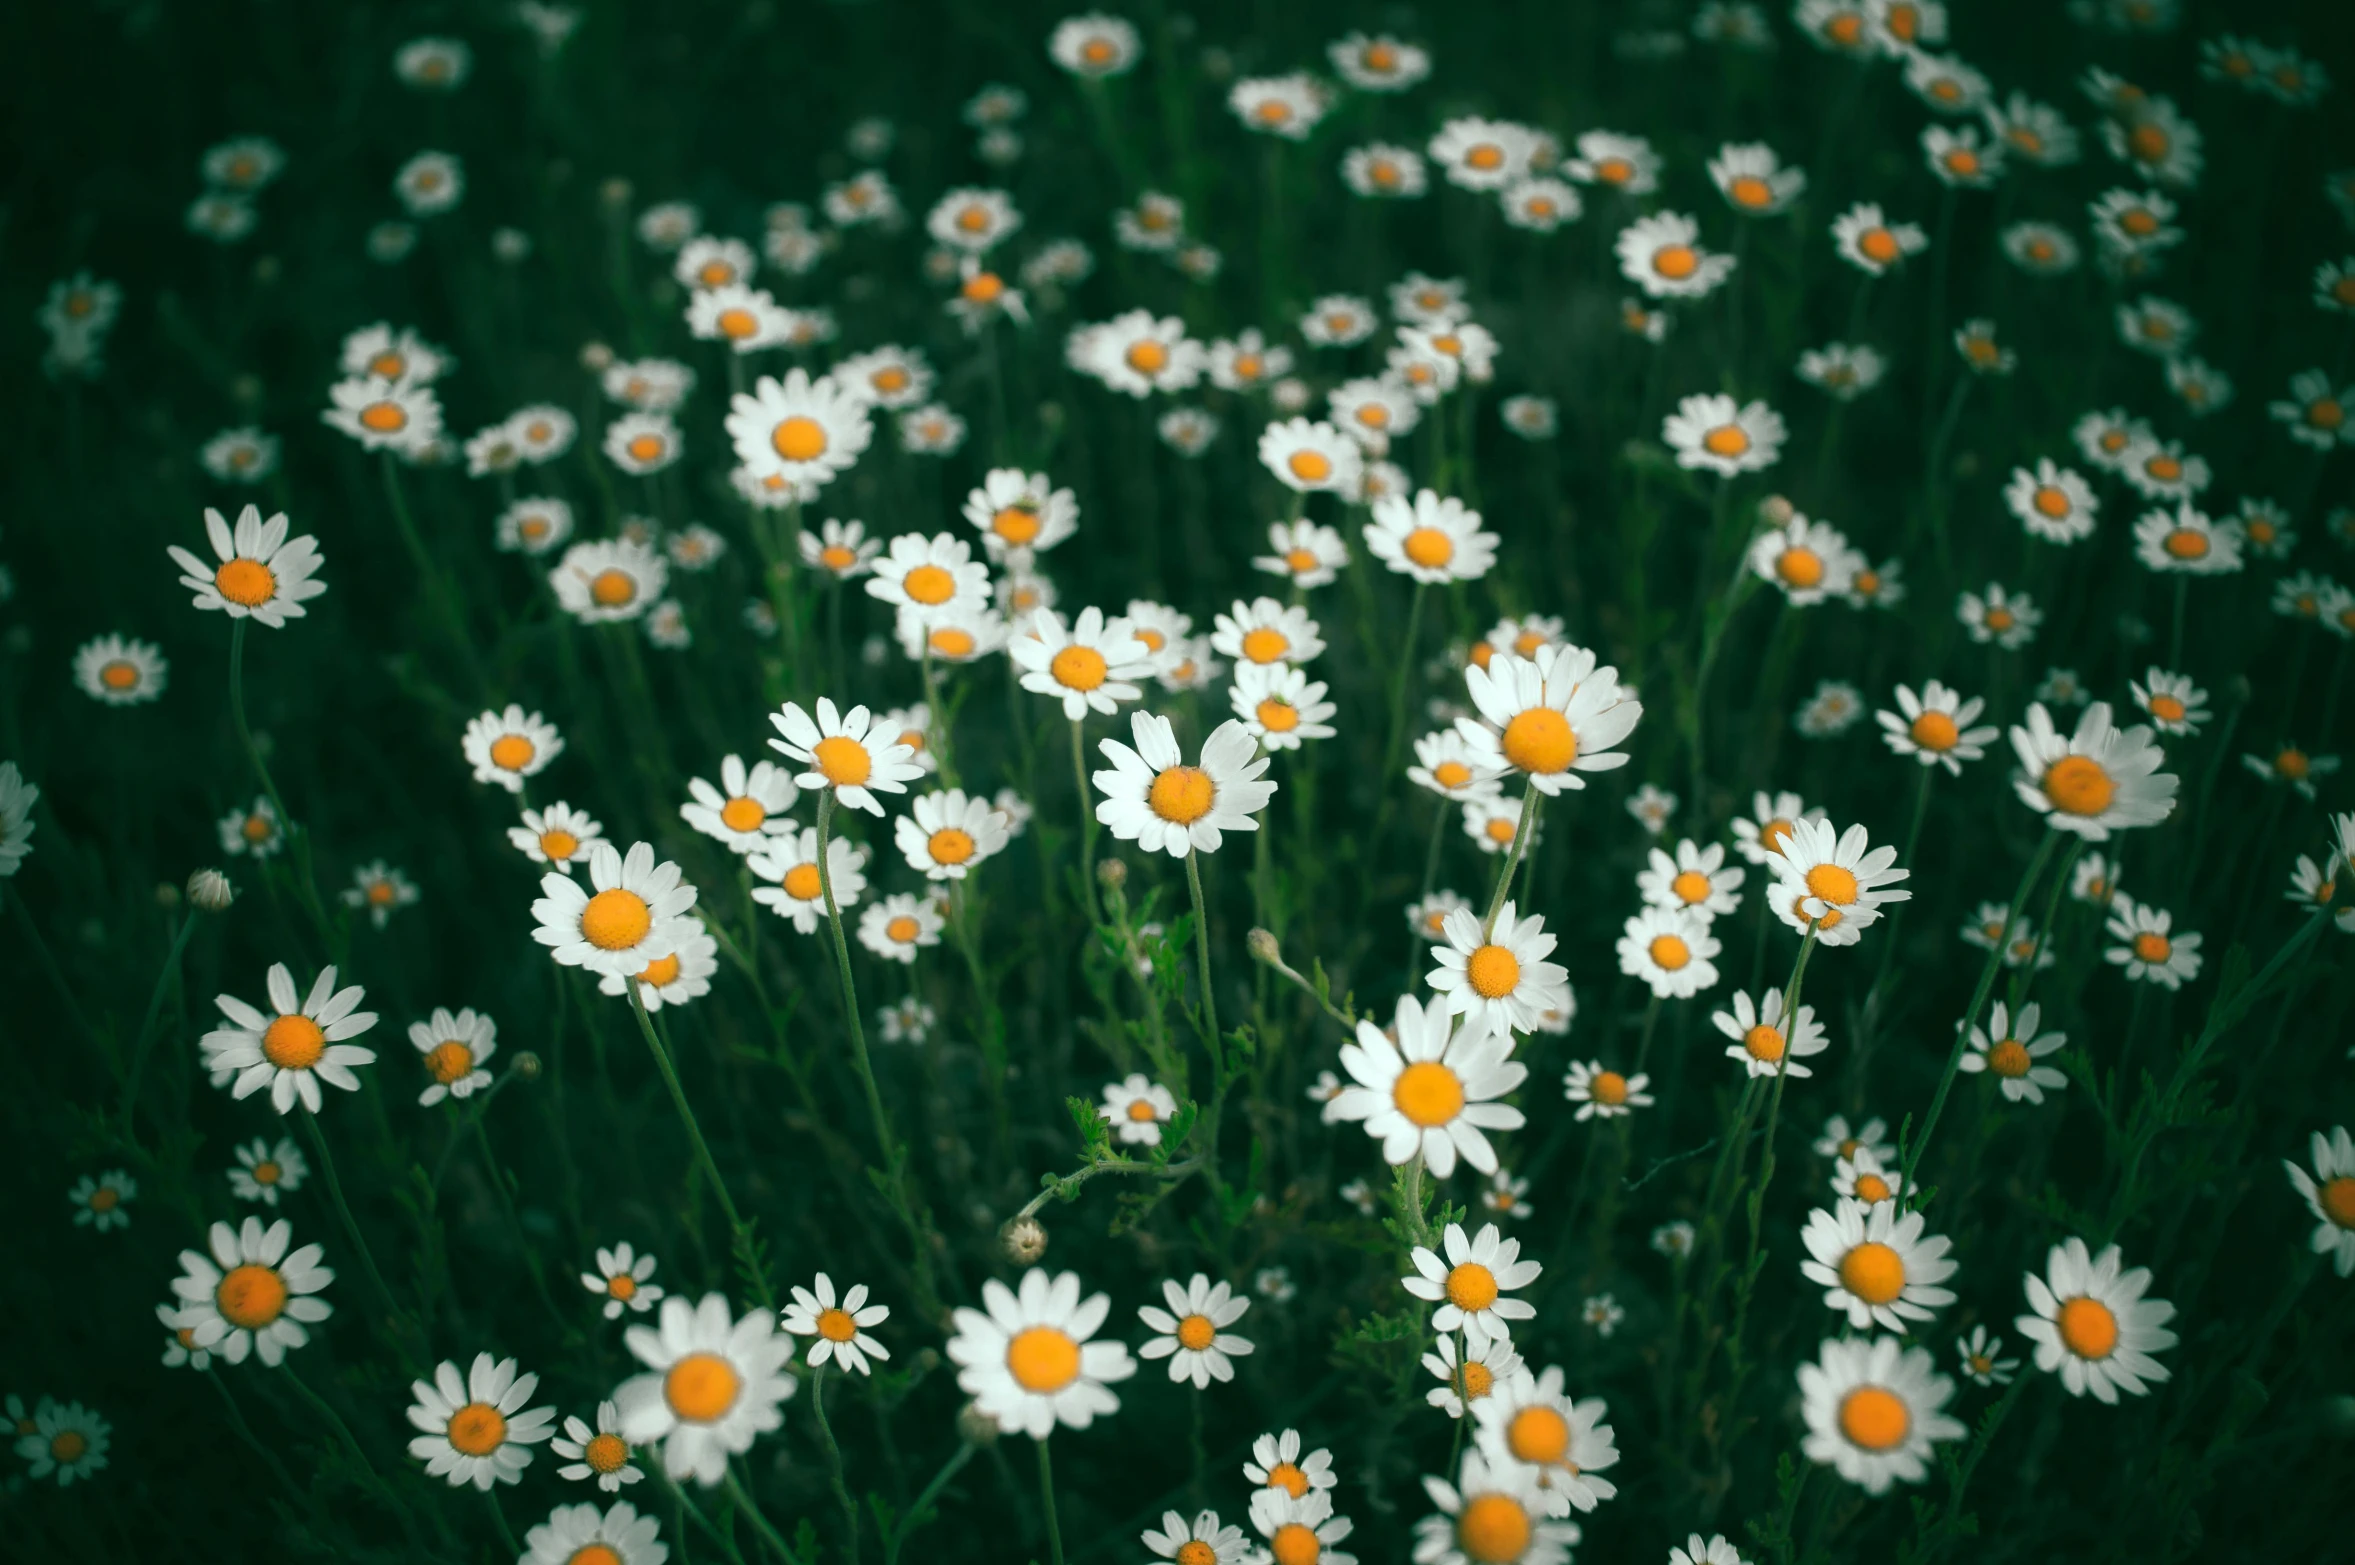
<point>895,1538</point>
<point>155,1002</point>
<point>507,1541</point>
<point>343,1210</point>
<point>1046,1489</point>
<point>245,1433</point>
<point>1522,832</point>
<point>1202,953</point>
<point>1406,659</point>
<point>850,1510</point>
<point>711,1168</point>
<point>1087,825</point>
<point>297,839</point>
<point>760,1522</point>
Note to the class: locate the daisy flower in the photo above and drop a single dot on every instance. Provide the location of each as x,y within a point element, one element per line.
<point>2292,766</point>
<point>1452,766</point>
<point>1753,180</point>
<point>99,1202</point>
<point>747,809</point>
<point>2040,248</point>
<point>2315,412</point>
<point>841,549</point>
<point>1485,155</point>
<point>800,430</point>
<point>1192,1333</point>
<point>533,526</point>
<point>1875,1265</point>
<point>1935,727</point>
<point>1624,163</point>
<point>600,1452</point>
<point>1287,106</point>
<point>1653,807</point>
<point>2008,619</point>
<point>380,890</point>
<point>1378,64</point>
<point>559,836</point>
<point>1761,1043</point>
<point>1726,437</point>
<point>262,573</point>
<point>843,754</point>
<point>1960,159</point>
<point>1806,561</point>
<point>265,1169</point>
<point>402,417</point>
<point>1472,1285</point>
<point>1760,835</point>
<point>1498,980</point>
<point>1015,510</point>
<point>1374,409</point>
<point>1028,1358</point>
<point>1308,553</point>
<point>1154,799</point>
<point>1846,371</point>
<point>924,576</point>
<point>635,915</point>
<point>1431,540</point>
<point>454,1047</point>
<point>1716,1549</point>
<point>1464,1384</point>
<point>840,1329</point>
<point>2009,1047</point>
<point>1874,1408</point>
<point>1671,950</point>
<point>788,882</point>
<point>1432,1093</point>
<point>1137,354</point>
<point>2330,1192</point>
<point>294,1047</point>
<point>118,671</point>
<point>1554,715</point>
<point>1137,1108</point>
<point>476,1430</point>
<point>1831,880</point>
<point>62,1440</point>
<point>249,1295</point>
<point>240,456</point>
<point>2187,542</point>
<point>1280,706</point>
<point>675,979</point>
<point>1603,1094</point>
<point>1089,665</point>
<point>1309,457</point>
<point>1493,1514</point>
<point>714,1384</point>
<point>1695,878</point>
<point>947,834</point>
<point>1662,255</point>
<point>1505,1196</point>
<point>1201,1541</point>
<point>2093,1325</point>
<point>1530,1421</point>
<point>506,747</point>
<point>2052,502</point>
<point>898,926</point>
<point>2098,780</point>
<point>972,220</point>
<point>2148,947</point>
<point>609,580</point>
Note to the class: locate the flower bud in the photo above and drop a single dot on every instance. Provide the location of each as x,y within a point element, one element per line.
<point>1024,1240</point>
<point>1112,874</point>
<point>167,895</point>
<point>527,1066</point>
<point>1776,511</point>
<point>595,356</point>
<point>975,1427</point>
<point>1264,947</point>
<point>209,891</point>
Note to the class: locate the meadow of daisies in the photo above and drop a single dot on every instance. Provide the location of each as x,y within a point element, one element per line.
<point>1482,784</point>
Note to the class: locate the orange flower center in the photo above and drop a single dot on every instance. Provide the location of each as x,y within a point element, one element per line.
<point>293,1042</point>
<point>616,920</point>
<point>1428,1093</point>
<point>2077,785</point>
<point>1874,1419</point>
<point>449,1060</point>
<point>1042,1359</point>
<point>2088,1328</point>
<point>250,1296</point>
<point>701,1387</point>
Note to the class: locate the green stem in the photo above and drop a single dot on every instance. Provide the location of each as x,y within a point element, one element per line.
<point>1046,1489</point>
<point>343,1210</point>
<point>1087,826</point>
<point>155,1002</point>
<point>298,840</point>
<point>894,1538</point>
<point>850,1510</point>
<point>742,1235</point>
<point>1406,660</point>
<point>490,1497</point>
<point>1202,951</point>
<point>760,1522</point>
<point>1523,830</point>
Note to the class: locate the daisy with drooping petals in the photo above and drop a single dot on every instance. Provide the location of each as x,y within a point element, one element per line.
<point>477,1430</point>
<point>1602,1093</point>
<point>2008,1048</point>
<point>620,1279</point>
<point>250,1295</point>
<point>840,1329</point>
<point>119,671</point>
<point>263,573</point>
<point>2052,502</point>
<point>597,1452</point>
<point>1555,715</point>
<point>1726,437</point>
<point>1871,243</point>
<point>1280,705</point>
<point>788,883</point>
<point>1498,979</point>
<point>800,430</point>
<point>1088,666</point>
<point>1530,1421</point>
<point>1471,1286</point>
<point>2093,782</point>
<point>1627,164</point>
<point>1761,1043</point>
<point>1015,510</point>
<point>2330,1192</point>
<point>2148,947</point>
<point>899,926</point>
<point>2291,766</point>
<point>1695,878</point>
<point>453,1048</point>
<point>1432,1093</point>
<point>1934,727</point>
<point>1192,1332</point>
<point>746,809</point>
<point>1830,880</point>
<point>635,914</point>
<point>1493,1514</point>
<point>295,1047</point>
<point>1671,950</point>
<point>506,747</point>
<point>841,753</point>
<point>1874,1408</point>
<point>715,1383</point>
<point>1430,540</point>
<point>2093,1325</point>
<point>1027,1357</point>
<point>1875,1265</point>
<point>1662,255</point>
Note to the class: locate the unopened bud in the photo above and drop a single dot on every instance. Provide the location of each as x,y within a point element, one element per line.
<point>596,356</point>
<point>1775,510</point>
<point>167,895</point>
<point>1112,874</point>
<point>527,1065</point>
<point>616,192</point>
<point>1264,947</point>
<point>975,1427</point>
<point>1024,1240</point>
<point>209,890</point>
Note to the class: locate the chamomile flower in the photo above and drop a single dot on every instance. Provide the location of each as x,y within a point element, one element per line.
<point>1662,255</point>
<point>1958,158</point>
<point>1530,1421</point>
<point>2008,619</point>
<point>799,430</point>
<point>2330,1193</point>
<point>262,573</point>
<point>1624,163</point>
<point>2095,781</point>
<point>264,1169</point>
<point>99,1203</point>
<point>2293,767</point>
<point>298,1043</point>
<point>1716,1549</point>
<point>1717,433</point>
<point>1601,1093</point>
<point>2148,947</point>
<point>2041,249</point>
<point>2092,1324</point>
<point>1308,553</point>
<point>1288,106</point>
<point>1493,1514</point>
<point>559,836</point>
<point>899,926</point>
<point>1696,878</point>
<point>2052,502</point>
<point>844,752</point>
<point>621,1281</point>
<point>923,576</point>
<point>1832,880</point>
<point>1192,1332</point>
<point>1759,836</point>
<point>62,1440</point>
<point>507,747</point>
<point>1015,510</point>
<point>675,979</point>
<point>1280,705</point>
<point>1378,64</point>
<point>597,1452</point>
<point>841,549</point>
<point>477,1430</point>
<point>1156,800</point>
<point>840,1329</point>
<point>1265,631</point>
<point>579,1533</point>
<point>1876,1265</point>
<point>2008,1048</point>
<point>1872,243</point>
<point>118,671</point>
<point>1806,561</point>
<point>1089,665</point>
<point>1431,1093</point>
<point>1762,1045</point>
<point>1505,1196</point>
<point>1498,979</point>
<point>746,809</point>
<point>1137,354</point>
<point>787,880</point>
<point>1472,1286</point>
<point>946,834</point>
<point>1310,457</point>
<point>1843,370</point>
<point>1480,154</point>
<point>1028,1358</point>
<point>245,1293</point>
<point>601,582</point>
<point>635,913</point>
<point>1834,708</point>
<point>1555,716</point>
<point>1753,180</point>
<point>1935,727</point>
<point>1874,1408</point>
<point>1431,540</point>
<point>534,526</point>
<point>240,456</point>
<point>452,1047</point>
<point>715,1383</point>
<point>2186,541</point>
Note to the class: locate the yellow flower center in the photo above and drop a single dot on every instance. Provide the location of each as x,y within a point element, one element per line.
<point>384,418</point>
<point>610,589</point>
<point>1428,1093</point>
<point>1181,795</point>
<point>1016,524</point>
<point>1196,1332</point>
<point>293,1042</point>
<point>1277,716</point>
<point>929,584</point>
<point>646,448</point>
<point>1265,645</point>
<point>559,844</point>
<point>477,1429</point>
<point>1540,740</point>
<point>616,920</point>
<point>2187,543</point>
<point>1873,1272</point>
<point>737,324</point>
<point>67,1446</point>
<point>250,1296</point>
<point>743,813</point>
<point>1874,1418</point>
<point>901,929</point>
<point>799,439</point>
<point>449,1060</point>
<point>1310,467</point>
<point>1429,547</point>
<point>605,1453</point>
<point>1726,440</point>
<point>1493,972</point>
<point>841,761</point>
<point>1670,952</point>
<point>1877,245</point>
<point>2338,1200</point>
<point>2009,1057</point>
<point>1676,262</point>
<point>801,883</point>
<point>1079,668</point>
<point>1607,1087</point>
<point>1147,357</point>
<point>1042,1359</point>
<point>1799,567</point>
<point>2153,948</point>
<point>1615,171</point>
<point>701,1387</point>
<point>1493,1529</point>
<point>1471,1287</point>
<point>2293,764</point>
<point>246,583</point>
<point>511,752</point>
<point>2088,1328</point>
<point>1748,190</point>
<point>2077,785</point>
<point>1764,1043</point>
<point>1539,1435</point>
<point>1935,731</point>
<point>1295,1544</point>
<point>661,972</point>
<point>983,288</point>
